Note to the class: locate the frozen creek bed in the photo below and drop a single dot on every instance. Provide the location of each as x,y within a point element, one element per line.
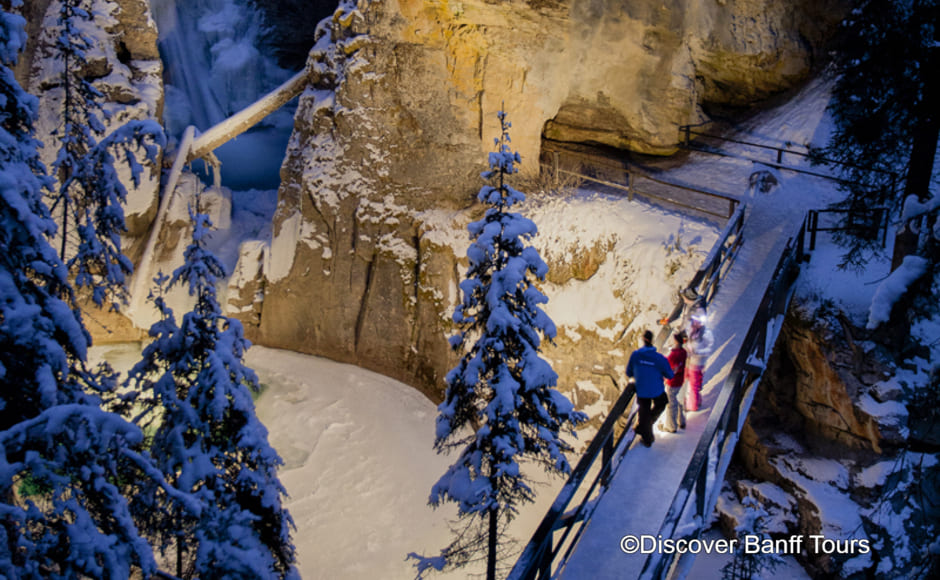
<point>359,464</point>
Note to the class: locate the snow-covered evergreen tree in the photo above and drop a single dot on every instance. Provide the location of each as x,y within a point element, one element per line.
<point>90,195</point>
<point>62,514</point>
<point>884,105</point>
<point>903,520</point>
<point>195,394</point>
<point>751,564</point>
<point>500,408</point>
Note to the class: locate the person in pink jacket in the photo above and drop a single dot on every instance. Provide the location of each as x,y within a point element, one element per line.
<point>675,417</point>
<point>699,344</point>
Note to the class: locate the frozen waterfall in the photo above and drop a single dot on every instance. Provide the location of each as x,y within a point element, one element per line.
<point>213,67</point>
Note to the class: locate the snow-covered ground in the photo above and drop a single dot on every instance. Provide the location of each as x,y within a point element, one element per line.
<point>652,253</point>
<point>359,464</point>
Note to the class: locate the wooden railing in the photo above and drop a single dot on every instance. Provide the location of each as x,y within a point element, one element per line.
<point>687,132</point>
<point>546,548</point>
<point>558,533</point>
<point>706,471</point>
<point>638,183</point>
<point>869,223</point>
<point>560,529</point>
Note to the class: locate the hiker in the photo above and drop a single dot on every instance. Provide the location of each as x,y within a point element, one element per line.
<point>675,417</point>
<point>700,341</point>
<point>648,368</point>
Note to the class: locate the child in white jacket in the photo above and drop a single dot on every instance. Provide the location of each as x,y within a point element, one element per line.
<point>699,346</point>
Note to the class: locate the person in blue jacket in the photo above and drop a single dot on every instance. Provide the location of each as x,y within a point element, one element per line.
<point>648,368</point>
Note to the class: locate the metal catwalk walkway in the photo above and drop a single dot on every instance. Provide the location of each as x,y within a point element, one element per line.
<point>640,493</point>
<point>664,491</point>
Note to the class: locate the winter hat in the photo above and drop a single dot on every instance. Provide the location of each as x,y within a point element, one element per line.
<point>689,295</point>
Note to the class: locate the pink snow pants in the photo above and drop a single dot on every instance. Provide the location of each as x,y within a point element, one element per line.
<point>693,395</point>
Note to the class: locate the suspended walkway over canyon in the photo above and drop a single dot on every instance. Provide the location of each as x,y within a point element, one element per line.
<point>623,498</point>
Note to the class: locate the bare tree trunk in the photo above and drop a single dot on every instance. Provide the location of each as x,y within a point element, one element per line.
<point>905,243</point>
<point>926,133</point>
<point>67,106</point>
<point>491,556</point>
<point>179,557</point>
<point>179,543</point>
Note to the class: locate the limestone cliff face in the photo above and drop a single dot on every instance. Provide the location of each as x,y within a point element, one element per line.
<point>623,74</point>
<point>391,137</point>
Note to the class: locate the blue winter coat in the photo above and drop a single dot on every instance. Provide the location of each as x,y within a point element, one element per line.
<point>649,368</point>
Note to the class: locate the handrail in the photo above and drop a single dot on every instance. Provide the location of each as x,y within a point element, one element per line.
<point>543,549</point>
<point>780,150</point>
<point>687,143</point>
<point>880,213</point>
<point>709,463</point>
<point>632,173</point>
<point>538,555</point>
<point>687,129</point>
<point>713,269</point>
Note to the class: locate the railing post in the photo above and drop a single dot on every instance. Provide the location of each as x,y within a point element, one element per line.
<point>700,492</point>
<point>607,452</point>
<point>813,227</point>
<point>734,415</point>
<point>688,136</point>
<point>780,156</point>
<point>545,562</point>
<point>801,254</point>
<point>883,220</point>
<point>630,185</point>
<point>555,168</point>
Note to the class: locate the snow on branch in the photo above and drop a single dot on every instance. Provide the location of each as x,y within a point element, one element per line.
<point>914,208</point>
<point>893,288</point>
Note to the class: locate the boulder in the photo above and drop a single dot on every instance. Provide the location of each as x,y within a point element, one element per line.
<point>829,427</point>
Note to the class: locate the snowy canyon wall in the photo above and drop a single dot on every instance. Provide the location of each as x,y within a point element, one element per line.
<point>831,448</point>
<point>390,138</point>
<point>124,64</point>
